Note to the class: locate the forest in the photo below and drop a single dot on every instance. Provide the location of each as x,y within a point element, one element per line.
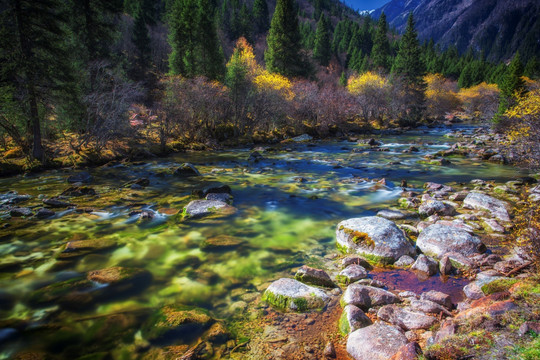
<point>85,82</point>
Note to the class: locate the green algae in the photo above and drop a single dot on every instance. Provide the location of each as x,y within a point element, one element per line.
<point>343,324</point>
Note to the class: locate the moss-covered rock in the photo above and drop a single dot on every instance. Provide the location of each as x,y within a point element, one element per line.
<point>309,275</point>
<point>289,294</point>
<point>221,243</point>
<point>120,278</point>
<point>78,248</point>
<point>175,322</point>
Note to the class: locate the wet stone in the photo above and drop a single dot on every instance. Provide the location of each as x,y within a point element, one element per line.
<point>44,213</point>
<point>21,212</point>
<point>200,208</point>
<point>351,274</point>
<point>352,318</point>
<point>120,278</point>
<point>75,191</point>
<point>56,203</point>
<point>309,275</point>
<point>82,247</point>
<point>82,177</point>
<point>186,170</point>
<point>425,265</point>
<point>290,294</point>
<point>404,261</point>
<point>224,197</point>
<point>366,297</point>
<point>221,243</point>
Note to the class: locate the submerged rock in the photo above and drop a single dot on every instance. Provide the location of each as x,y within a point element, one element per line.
<point>255,157</point>
<point>375,342</point>
<point>82,247</point>
<point>21,212</point>
<point>44,213</point>
<point>224,197</point>
<point>373,237</point>
<point>78,191</point>
<point>186,170</point>
<point>290,294</point>
<point>199,208</point>
<point>221,242</point>
<point>437,240</point>
<point>366,297</point>
<point>301,138</point>
<point>82,177</point>
<point>176,322</point>
<point>309,275</point>
<point>352,318</point>
<point>120,279</point>
<point>479,201</point>
<point>56,203</point>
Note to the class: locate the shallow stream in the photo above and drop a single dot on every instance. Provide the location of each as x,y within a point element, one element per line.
<point>288,208</point>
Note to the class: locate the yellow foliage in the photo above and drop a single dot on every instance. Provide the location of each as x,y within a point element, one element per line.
<point>247,57</point>
<point>477,91</point>
<point>441,97</point>
<point>366,82</point>
<point>480,100</point>
<point>268,81</point>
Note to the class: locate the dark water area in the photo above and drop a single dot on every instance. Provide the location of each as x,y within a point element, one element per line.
<point>288,207</point>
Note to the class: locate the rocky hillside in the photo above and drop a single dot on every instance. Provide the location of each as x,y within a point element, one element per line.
<point>498,27</point>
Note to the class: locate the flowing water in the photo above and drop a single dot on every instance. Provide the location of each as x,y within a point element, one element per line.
<point>288,208</point>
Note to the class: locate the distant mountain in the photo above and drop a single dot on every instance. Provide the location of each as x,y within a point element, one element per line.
<point>498,27</point>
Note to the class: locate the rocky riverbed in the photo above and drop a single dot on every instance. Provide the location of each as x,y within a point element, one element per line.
<point>298,251</point>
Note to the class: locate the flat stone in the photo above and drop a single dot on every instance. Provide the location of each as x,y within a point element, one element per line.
<point>366,297</point>
<point>436,207</point>
<point>290,294</point>
<point>121,278</point>
<point>352,318</point>
<point>200,208</point>
<point>309,275</point>
<point>373,237</point>
<point>392,214</point>
<point>357,260</point>
<point>82,247</point>
<point>351,274</point>
<point>221,243</point>
<point>479,201</point>
<point>438,240</point>
<point>405,319</point>
<point>375,342</point>
<point>438,297</point>
<point>56,203</point>
<point>44,213</point>
<point>428,307</point>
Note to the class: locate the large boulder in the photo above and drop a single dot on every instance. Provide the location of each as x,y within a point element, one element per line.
<point>352,318</point>
<point>405,319</point>
<point>290,294</point>
<point>375,342</point>
<point>437,240</point>
<point>367,296</point>
<point>435,207</point>
<point>376,238</point>
<point>479,201</point>
<point>200,208</point>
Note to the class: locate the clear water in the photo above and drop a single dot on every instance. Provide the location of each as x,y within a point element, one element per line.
<point>283,223</point>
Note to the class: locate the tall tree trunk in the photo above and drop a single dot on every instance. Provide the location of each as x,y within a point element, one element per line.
<point>34,126</point>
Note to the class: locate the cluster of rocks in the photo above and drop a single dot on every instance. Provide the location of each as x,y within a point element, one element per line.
<point>446,224</point>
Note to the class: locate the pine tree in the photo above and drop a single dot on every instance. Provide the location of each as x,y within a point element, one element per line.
<point>532,69</point>
<point>283,55</point>
<point>183,37</point>
<point>322,51</point>
<point>34,66</point>
<point>343,79</point>
<point>141,40</point>
<point>210,54</point>
<point>512,84</point>
<point>261,16</point>
<point>410,67</point>
<point>380,54</point>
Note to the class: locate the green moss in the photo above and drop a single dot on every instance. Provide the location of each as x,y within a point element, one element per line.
<point>343,324</point>
<point>377,260</point>
<point>279,301</point>
<point>530,351</point>
<point>358,237</point>
<point>342,279</point>
<point>343,249</point>
<point>498,286</point>
<point>301,304</point>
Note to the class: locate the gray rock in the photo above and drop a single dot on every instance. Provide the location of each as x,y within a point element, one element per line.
<point>371,282</point>
<point>375,342</point>
<point>428,307</point>
<point>392,214</point>
<point>75,191</point>
<point>373,237</point>
<point>493,225</point>
<point>459,196</point>
<point>199,208</point>
<point>223,197</point>
<point>479,201</point>
<point>44,213</point>
<point>366,297</point>
<point>425,265</point>
<point>357,260</point>
<point>21,212</point>
<point>301,138</point>
<point>405,319</point>
<point>186,170</point>
<point>351,274</point>
<point>12,198</point>
<point>56,203</point>
<point>404,261</point>
<point>437,240</point>
<point>474,290</point>
<point>309,275</point>
<point>329,350</point>
<point>290,294</point>
<point>352,318</point>
<point>438,297</point>
<point>435,207</point>
<point>460,262</point>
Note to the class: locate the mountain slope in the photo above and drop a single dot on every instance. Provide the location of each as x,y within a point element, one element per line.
<point>498,27</point>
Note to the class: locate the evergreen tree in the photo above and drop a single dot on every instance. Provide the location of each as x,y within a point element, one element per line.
<point>283,55</point>
<point>34,67</point>
<point>141,40</point>
<point>322,51</point>
<point>343,79</point>
<point>183,37</point>
<point>512,84</point>
<point>472,74</point>
<point>380,54</point>
<point>261,16</point>
<point>210,54</point>
<point>532,69</point>
<point>410,67</point>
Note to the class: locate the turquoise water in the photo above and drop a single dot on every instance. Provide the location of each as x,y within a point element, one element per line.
<point>282,222</point>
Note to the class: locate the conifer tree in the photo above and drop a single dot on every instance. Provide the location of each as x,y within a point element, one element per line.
<point>380,54</point>
<point>532,69</point>
<point>512,84</point>
<point>261,16</point>
<point>183,37</point>
<point>322,51</point>
<point>210,54</point>
<point>343,79</point>
<point>141,40</point>
<point>283,55</point>
<point>410,67</point>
